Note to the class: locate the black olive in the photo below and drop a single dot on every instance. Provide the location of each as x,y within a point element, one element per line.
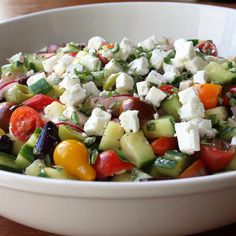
<point>47,140</point>
<point>6,144</point>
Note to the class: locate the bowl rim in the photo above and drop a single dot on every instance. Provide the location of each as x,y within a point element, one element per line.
<point>75,188</point>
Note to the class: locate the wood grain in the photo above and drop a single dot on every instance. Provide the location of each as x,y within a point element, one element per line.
<point>11,8</point>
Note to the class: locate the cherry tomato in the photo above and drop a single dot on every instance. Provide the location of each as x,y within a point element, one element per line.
<point>5,114</point>
<point>104,60</point>
<point>72,155</point>
<point>209,95</point>
<point>109,163</point>
<point>167,88</point>
<point>196,169</point>
<point>72,54</point>
<point>39,102</point>
<point>145,110</point>
<point>217,155</point>
<point>207,48</point>
<point>24,120</point>
<point>163,144</point>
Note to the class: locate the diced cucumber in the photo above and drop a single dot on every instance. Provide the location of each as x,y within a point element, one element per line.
<point>35,168</point>
<point>136,148</point>
<point>216,114</point>
<point>110,82</point>
<point>135,175</point>
<point>66,132</point>
<point>111,137</point>
<point>218,74</point>
<point>25,156</point>
<point>227,133</point>
<point>171,106</point>
<point>8,163</point>
<point>162,127</point>
<point>172,164</point>
<point>55,172</point>
<point>40,86</point>
<point>33,62</point>
<point>13,67</point>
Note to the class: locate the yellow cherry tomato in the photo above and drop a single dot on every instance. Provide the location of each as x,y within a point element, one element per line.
<point>72,155</point>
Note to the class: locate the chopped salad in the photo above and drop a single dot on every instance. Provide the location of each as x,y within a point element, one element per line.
<point>105,111</point>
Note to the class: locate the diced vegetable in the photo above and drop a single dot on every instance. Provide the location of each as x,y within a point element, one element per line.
<point>67,132</point>
<point>163,144</point>
<point>7,162</point>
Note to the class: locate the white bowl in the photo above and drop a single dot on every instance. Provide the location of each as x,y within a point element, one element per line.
<point>173,207</point>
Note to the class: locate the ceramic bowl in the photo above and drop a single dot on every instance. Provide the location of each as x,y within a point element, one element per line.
<point>169,207</point>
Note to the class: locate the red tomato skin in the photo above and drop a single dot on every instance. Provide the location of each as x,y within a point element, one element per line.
<point>39,102</point>
<point>24,120</point>
<point>104,60</point>
<point>206,46</point>
<point>109,163</point>
<point>167,88</point>
<point>215,159</point>
<point>196,169</point>
<point>163,144</point>
<point>72,54</point>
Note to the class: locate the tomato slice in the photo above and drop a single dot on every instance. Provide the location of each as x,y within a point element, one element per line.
<point>196,169</point>
<point>24,120</point>
<point>109,163</point>
<point>216,156</point>
<point>208,48</point>
<point>167,88</point>
<point>39,102</point>
<point>163,144</point>
<point>72,54</point>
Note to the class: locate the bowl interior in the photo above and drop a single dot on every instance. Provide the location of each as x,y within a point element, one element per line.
<point>136,21</point>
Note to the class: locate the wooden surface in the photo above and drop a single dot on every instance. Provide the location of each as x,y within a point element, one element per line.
<point>11,8</point>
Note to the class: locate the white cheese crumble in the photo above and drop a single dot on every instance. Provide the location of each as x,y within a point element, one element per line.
<point>155,96</point>
<point>129,120</point>
<point>139,66</point>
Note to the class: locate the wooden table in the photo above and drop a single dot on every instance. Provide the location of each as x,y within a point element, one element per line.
<point>11,8</point>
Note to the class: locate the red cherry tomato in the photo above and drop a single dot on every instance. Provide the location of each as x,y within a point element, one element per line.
<point>104,60</point>
<point>207,48</point>
<point>109,163</point>
<point>216,156</point>
<point>39,102</point>
<point>196,169</point>
<point>167,88</point>
<point>72,54</point>
<point>225,101</point>
<point>24,120</point>
<point>163,144</point>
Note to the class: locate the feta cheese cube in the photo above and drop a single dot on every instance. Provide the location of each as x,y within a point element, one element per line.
<point>155,78</point>
<point>156,116</point>
<point>233,141</point>
<point>97,122</point>
<point>200,77</point>
<point>149,43</point>
<point>129,120</point>
<point>177,64</point>
<point>107,53</point>
<point>30,73</point>
<point>184,50</point>
<point>73,69</point>
<point>126,49</point>
<point>60,68</point>
<point>91,88</point>
<point>205,127</point>
<point>142,88</point>
<point>49,64</point>
<point>112,67</point>
<point>53,79</point>
<point>66,59</point>
<point>69,82</point>
<point>194,65</point>
<point>187,95</point>
<point>95,42</point>
<point>73,96</point>
<point>157,58</point>
<point>124,81</point>
<point>155,96</point>
<point>36,77</point>
<point>87,60</point>
<point>139,66</point>
<point>104,93</point>
<point>192,109</point>
<point>170,75</point>
<point>188,137</point>
<point>185,84</point>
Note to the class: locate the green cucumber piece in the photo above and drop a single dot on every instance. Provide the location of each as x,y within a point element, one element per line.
<point>25,156</point>
<point>172,164</point>
<point>219,74</point>
<point>111,137</point>
<point>171,106</point>
<point>227,133</point>
<point>40,86</point>
<point>162,127</point>
<point>8,163</point>
<point>55,172</point>
<point>13,67</point>
<point>35,168</point>
<point>137,149</point>
<point>216,114</point>
<point>66,132</point>
<point>33,62</point>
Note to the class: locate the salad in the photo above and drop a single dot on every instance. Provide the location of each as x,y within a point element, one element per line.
<point>102,111</point>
